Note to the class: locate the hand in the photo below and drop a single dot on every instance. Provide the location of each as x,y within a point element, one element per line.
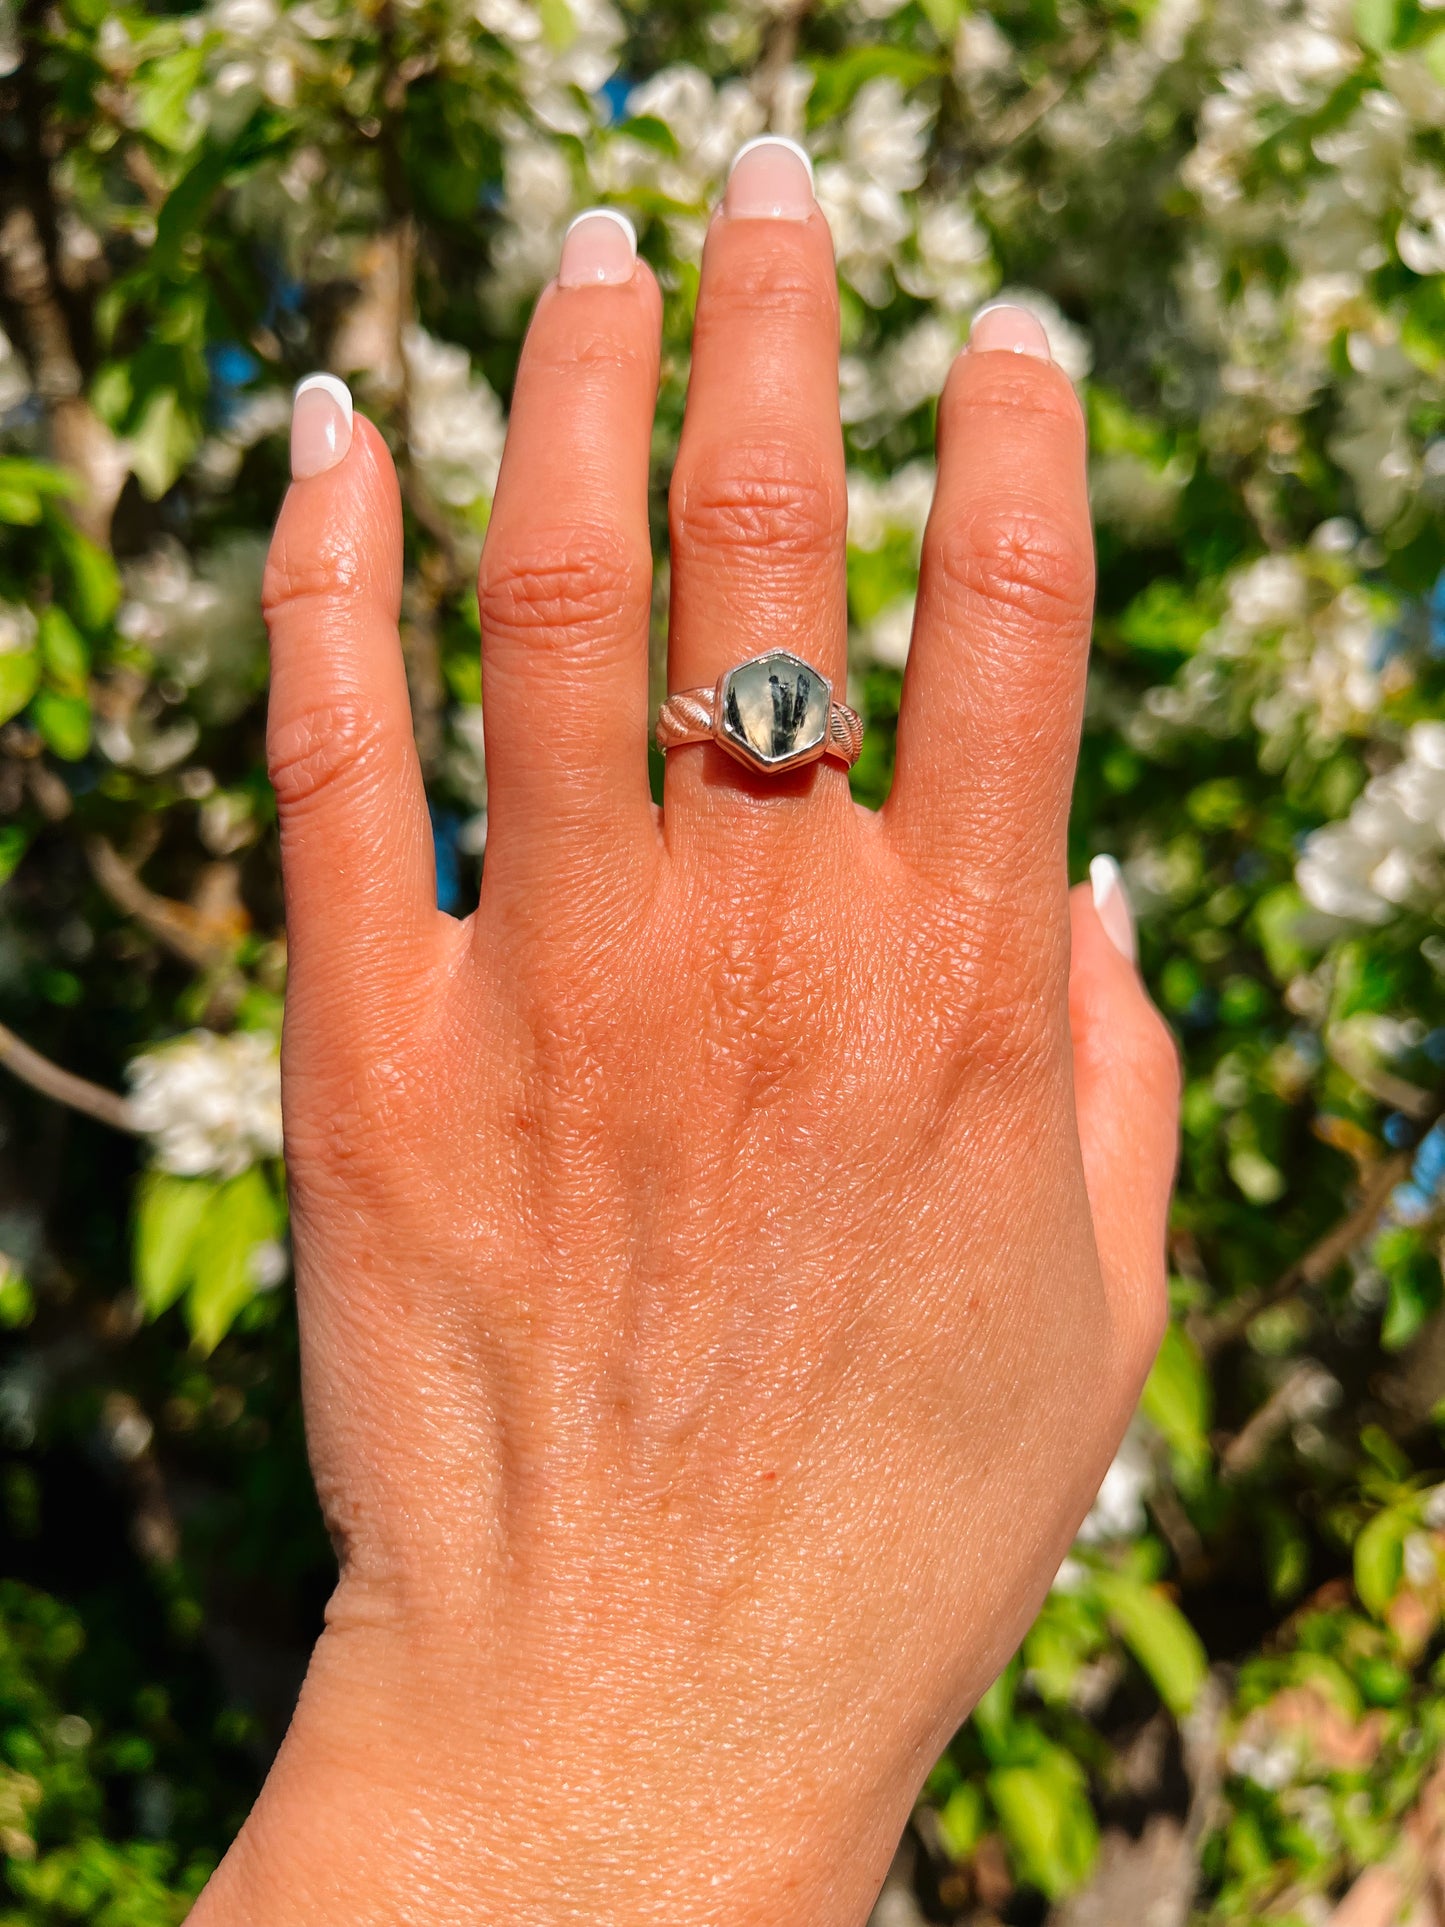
<point>728,1260</point>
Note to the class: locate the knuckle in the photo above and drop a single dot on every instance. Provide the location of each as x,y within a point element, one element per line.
<point>344,741</point>
<point>774,282</point>
<point>772,497</point>
<point>989,966</point>
<point>593,353</point>
<point>311,575</point>
<point>1022,387</point>
<point>584,584</point>
<point>1017,563</point>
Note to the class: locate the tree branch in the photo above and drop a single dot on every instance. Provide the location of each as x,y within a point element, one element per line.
<point>1026,113</point>
<point>1318,1262</point>
<point>79,440</point>
<point>93,1100</point>
<point>203,934</point>
<point>778,54</point>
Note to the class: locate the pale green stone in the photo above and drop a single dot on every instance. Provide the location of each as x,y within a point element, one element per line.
<point>776,708</point>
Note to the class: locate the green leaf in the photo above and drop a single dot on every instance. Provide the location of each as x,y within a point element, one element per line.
<point>1377,22</point>
<point>1178,1399</point>
<point>1047,1822</point>
<point>1380,1557</point>
<point>838,79</point>
<point>245,1214</point>
<point>169,1213</point>
<point>945,17</point>
<point>93,585</point>
<point>63,652</point>
<point>163,443</point>
<point>163,90</point>
<point>993,1715</point>
<point>17,1300</point>
<point>1278,918</point>
<point>1286,1553</point>
<point>962,1819</point>
<point>652,132</point>
<point>19,678</point>
<point>1415,1294</point>
<point>558,26</point>
<point>1158,1635</point>
<point>1164,620</point>
<point>185,207</point>
<point>64,722</point>
<point>1068,1632</point>
<point>14,842</point>
<point>26,486</point>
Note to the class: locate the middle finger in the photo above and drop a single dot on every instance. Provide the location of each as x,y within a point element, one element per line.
<point>759,494</point>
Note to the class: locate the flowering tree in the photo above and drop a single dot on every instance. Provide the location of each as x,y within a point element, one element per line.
<point>1230,215</point>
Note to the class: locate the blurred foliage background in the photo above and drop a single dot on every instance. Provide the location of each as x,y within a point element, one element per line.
<point>1230,215</point>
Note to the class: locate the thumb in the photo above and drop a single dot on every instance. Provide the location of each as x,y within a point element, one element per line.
<point>1126,1095</point>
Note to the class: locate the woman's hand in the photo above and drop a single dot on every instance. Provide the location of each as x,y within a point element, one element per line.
<point>728,1260</point>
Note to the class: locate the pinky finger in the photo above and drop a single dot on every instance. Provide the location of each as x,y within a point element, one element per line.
<point>1126,1095</point>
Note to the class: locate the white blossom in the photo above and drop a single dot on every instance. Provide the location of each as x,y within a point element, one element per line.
<point>210,1104</point>
<point>456,427</point>
<point>954,261</point>
<point>885,134</point>
<point>1386,853</point>
<point>1270,1763</point>
<point>201,618</point>
<point>14,377</point>
<point>1118,1512</point>
<point>889,636</point>
<point>17,628</point>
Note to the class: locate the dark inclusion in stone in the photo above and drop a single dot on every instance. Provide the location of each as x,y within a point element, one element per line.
<point>775,709</point>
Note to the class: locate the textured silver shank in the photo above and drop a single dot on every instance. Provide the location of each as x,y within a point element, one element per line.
<point>845,734</point>
<point>691,717</point>
<point>686,718</point>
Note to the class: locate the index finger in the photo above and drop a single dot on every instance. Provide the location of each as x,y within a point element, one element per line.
<point>356,847</point>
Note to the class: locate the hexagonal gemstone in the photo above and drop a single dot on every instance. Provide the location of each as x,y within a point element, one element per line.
<point>775,708</point>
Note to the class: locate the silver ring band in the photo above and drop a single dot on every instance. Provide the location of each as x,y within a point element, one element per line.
<point>773,713</point>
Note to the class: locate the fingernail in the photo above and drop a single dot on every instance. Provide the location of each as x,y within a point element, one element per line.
<point>599,247</point>
<point>771,180</point>
<point>1111,905</point>
<point>1013,330</point>
<point>320,425</point>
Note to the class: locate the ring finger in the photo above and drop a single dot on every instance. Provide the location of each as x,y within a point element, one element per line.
<point>759,495</point>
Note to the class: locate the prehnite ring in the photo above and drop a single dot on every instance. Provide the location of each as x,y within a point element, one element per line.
<point>773,713</point>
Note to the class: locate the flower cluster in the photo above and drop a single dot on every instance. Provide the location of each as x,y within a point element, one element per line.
<point>1387,851</point>
<point>210,1104</point>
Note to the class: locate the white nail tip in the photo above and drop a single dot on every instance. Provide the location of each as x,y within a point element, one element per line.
<point>1111,905</point>
<point>1105,876</point>
<point>331,385</point>
<point>606,214</point>
<point>776,140</point>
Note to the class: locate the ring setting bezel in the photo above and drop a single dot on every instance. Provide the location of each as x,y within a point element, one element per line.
<point>802,703</point>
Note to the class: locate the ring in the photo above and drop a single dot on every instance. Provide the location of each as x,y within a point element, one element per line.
<point>772,713</point>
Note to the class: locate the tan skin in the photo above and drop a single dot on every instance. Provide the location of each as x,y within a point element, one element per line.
<point>727,1261</point>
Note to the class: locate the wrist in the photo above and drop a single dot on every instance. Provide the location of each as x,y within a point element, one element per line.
<point>419,1786</point>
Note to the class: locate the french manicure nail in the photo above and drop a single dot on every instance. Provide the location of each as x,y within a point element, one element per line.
<point>771,180</point>
<point>1010,329</point>
<point>600,247</point>
<point>320,425</point>
<point>1111,905</point>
